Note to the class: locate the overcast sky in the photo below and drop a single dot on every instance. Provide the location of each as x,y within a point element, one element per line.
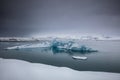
<point>74,17</point>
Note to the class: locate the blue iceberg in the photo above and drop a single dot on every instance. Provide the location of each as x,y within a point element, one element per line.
<point>59,46</point>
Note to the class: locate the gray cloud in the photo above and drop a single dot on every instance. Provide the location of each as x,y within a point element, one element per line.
<point>26,17</point>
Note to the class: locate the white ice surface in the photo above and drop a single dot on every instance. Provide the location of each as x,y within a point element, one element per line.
<point>11,69</point>
<point>30,46</point>
<point>79,57</point>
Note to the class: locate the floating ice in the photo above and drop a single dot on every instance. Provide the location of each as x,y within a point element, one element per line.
<point>43,44</point>
<point>79,58</point>
<point>58,46</point>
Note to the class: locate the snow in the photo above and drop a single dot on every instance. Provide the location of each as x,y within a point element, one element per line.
<point>11,69</point>
<point>70,37</point>
<point>15,39</point>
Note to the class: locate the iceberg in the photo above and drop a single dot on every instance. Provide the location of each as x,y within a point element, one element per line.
<point>58,46</point>
<point>83,49</point>
<point>68,47</point>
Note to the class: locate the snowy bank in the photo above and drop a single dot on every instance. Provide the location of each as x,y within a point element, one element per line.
<point>11,69</point>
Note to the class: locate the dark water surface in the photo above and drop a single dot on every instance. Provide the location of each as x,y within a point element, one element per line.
<point>107,59</point>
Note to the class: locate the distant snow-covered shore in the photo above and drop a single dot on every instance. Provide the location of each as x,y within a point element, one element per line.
<point>19,39</point>
<point>11,69</point>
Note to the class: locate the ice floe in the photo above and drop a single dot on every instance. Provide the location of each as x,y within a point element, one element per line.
<point>79,57</point>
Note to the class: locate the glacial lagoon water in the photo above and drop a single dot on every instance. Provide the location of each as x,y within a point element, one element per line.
<point>106,59</point>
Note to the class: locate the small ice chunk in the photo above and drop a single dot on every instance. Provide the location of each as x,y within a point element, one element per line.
<point>79,57</point>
